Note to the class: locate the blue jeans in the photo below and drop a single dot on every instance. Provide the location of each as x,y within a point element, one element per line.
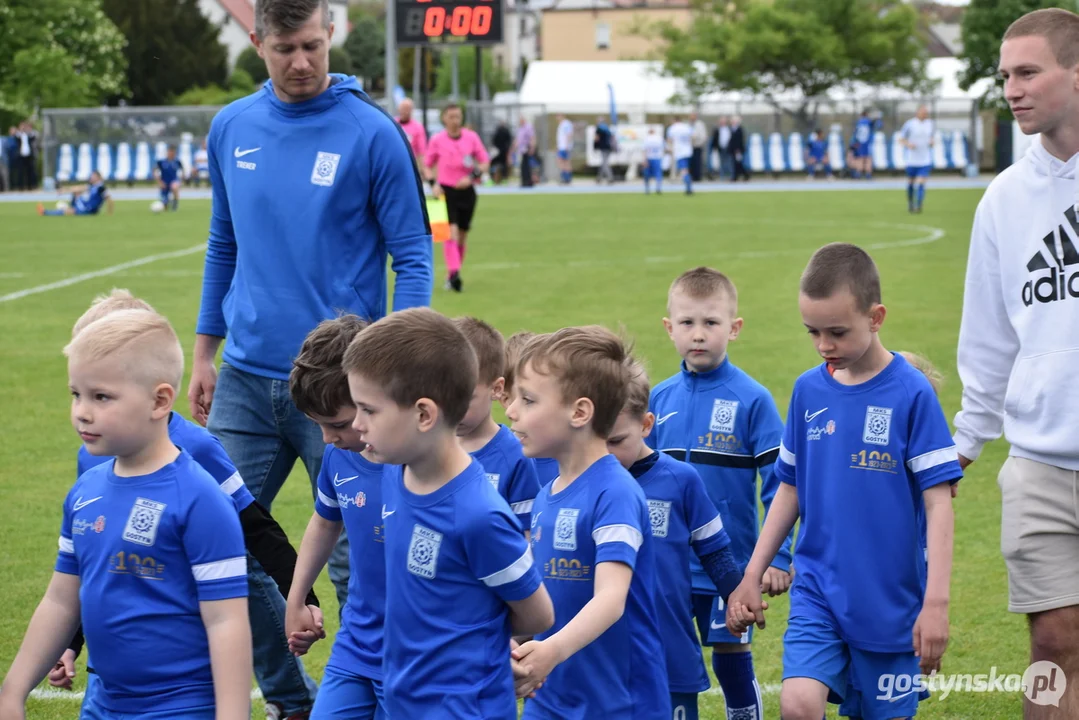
<point>264,434</point>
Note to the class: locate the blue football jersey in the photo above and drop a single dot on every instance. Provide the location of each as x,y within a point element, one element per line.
<point>601,517</point>
<point>546,470</point>
<point>91,200</point>
<point>510,473</point>
<point>685,524</point>
<point>863,131</point>
<point>147,551</point>
<point>204,448</point>
<point>350,491</point>
<point>860,457</point>
<point>170,170</point>
<point>726,425</point>
<point>454,558</point>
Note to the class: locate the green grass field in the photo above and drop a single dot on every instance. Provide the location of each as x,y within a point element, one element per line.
<point>540,263</point>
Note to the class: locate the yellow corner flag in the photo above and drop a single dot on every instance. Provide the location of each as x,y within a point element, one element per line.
<point>440,219</point>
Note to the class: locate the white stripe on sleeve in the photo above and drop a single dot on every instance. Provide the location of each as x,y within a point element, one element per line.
<point>932,459</point>
<point>525,506</point>
<point>786,455</point>
<point>220,570</point>
<point>67,546</point>
<point>514,572</point>
<point>706,531</point>
<point>327,500</point>
<point>618,533</point>
<point>234,483</point>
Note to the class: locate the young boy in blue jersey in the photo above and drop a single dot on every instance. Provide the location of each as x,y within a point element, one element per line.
<point>459,573</point>
<point>725,424</point>
<point>151,551</point>
<point>496,448</point>
<point>349,494</point>
<point>85,199</point>
<point>817,155</point>
<point>867,462</point>
<point>546,468</point>
<point>861,143</point>
<point>168,172</point>
<point>263,537</point>
<point>683,520</point>
<point>603,658</point>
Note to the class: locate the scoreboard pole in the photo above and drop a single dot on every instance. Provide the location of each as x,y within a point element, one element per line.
<point>479,90</point>
<point>391,57</point>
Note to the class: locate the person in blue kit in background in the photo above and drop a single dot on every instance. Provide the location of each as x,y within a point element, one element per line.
<point>169,172</point>
<point>313,186</point>
<point>85,199</point>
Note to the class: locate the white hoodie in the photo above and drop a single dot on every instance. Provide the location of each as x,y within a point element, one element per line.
<point>1019,339</point>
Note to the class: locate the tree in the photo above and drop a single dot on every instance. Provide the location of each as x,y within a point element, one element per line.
<point>250,62</point>
<point>240,85</point>
<point>57,53</point>
<point>171,46</point>
<point>366,48</point>
<point>339,61</point>
<point>984,23</point>
<point>496,78</point>
<point>808,46</point>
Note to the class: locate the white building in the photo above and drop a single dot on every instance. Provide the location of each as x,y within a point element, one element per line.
<point>236,18</point>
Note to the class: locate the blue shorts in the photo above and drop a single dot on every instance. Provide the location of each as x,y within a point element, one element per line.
<point>682,163</point>
<point>861,150</point>
<point>654,169</point>
<point>684,706</point>
<point>563,154</point>
<point>884,685</point>
<point>92,710</point>
<point>919,171</point>
<point>818,162</point>
<point>711,616</point>
<point>348,697</point>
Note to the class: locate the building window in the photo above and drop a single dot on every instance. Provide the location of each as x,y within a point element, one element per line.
<point>603,36</point>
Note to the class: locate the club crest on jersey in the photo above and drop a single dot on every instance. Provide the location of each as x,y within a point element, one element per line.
<point>878,425</point>
<point>565,529</point>
<point>493,478</point>
<point>325,169</point>
<point>659,513</point>
<point>723,414</point>
<point>423,552</point>
<point>141,527</point>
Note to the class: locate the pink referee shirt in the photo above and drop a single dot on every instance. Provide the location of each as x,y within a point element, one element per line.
<point>456,157</point>
<point>417,138</point>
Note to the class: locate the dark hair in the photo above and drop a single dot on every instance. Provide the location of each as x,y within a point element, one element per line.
<point>417,353</point>
<point>283,16</point>
<point>488,345</point>
<point>842,265</point>
<point>318,384</point>
<point>1060,28</point>
<point>450,106</point>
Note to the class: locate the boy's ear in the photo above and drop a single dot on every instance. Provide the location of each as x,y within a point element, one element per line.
<point>668,326</point>
<point>582,412</point>
<point>498,388</point>
<point>876,317</point>
<point>427,414</point>
<point>736,327</point>
<point>648,423</point>
<point>164,398</point>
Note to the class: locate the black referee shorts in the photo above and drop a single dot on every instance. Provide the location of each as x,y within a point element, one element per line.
<point>460,205</point>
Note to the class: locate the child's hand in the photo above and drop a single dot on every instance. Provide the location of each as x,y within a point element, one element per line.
<point>775,582</point>
<point>931,636</point>
<point>303,627</point>
<point>522,674</point>
<point>536,658</point>
<point>63,672</point>
<point>745,607</point>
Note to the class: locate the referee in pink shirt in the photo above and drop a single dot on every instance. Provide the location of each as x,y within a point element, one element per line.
<point>417,136</point>
<point>454,161</point>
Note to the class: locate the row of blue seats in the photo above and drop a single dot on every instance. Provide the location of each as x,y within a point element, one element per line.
<point>950,152</point>
<point>122,163</point>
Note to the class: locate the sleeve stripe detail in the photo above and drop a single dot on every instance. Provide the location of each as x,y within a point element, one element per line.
<point>704,532</point>
<point>618,533</point>
<point>769,450</point>
<point>786,455</point>
<point>767,457</point>
<point>932,459</point>
<point>512,573</point>
<point>523,507</point>
<point>234,483</point>
<point>327,500</point>
<point>67,545</point>
<point>220,570</point>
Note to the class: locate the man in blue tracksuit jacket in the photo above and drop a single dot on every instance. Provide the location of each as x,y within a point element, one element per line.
<point>313,187</point>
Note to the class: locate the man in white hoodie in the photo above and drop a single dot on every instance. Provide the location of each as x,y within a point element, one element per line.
<point>1019,344</point>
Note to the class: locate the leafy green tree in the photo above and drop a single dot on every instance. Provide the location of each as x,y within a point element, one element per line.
<point>339,61</point>
<point>496,78</point>
<point>366,48</point>
<point>250,62</point>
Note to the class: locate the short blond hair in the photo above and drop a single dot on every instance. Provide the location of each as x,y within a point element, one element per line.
<point>515,344</point>
<point>1059,27</point>
<point>926,367</point>
<point>587,362</point>
<point>638,388</point>
<point>701,283</point>
<point>102,305</point>
<point>488,345</point>
<point>142,340</point>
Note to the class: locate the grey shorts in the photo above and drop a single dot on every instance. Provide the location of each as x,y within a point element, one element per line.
<point>1039,535</point>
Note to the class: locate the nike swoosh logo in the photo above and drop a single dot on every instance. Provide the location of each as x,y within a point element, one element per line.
<point>661,420</point>
<point>342,481</point>
<point>240,153</point>
<point>894,698</point>
<point>386,514</point>
<point>80,503</point>
<point>809,418</point>
<point>716,627</point>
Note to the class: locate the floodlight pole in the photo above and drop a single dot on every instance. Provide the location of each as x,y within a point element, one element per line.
<point>391,55</point>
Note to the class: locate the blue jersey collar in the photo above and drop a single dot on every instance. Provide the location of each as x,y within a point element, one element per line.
<point>718,376</point>
<point>320,103</point>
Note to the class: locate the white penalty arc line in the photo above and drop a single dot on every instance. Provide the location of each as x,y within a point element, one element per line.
<point>51,694</point>
<point>111,270</point>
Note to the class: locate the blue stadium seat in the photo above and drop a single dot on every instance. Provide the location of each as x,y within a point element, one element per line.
<point>123,169</point>
<point>899,153</point>
<point>755,153</point>
<point>880,152</point>
<point>186,156</point>
<point>960,156</point>
<point>837,151</point>
<point>796,158</point>
<point>104,161</point>
<point>940,152</point>
<point>84,164</point>
<point>143,166</point>
<point>65,163</point>
<point>777,157</point>
<point>161,151</point>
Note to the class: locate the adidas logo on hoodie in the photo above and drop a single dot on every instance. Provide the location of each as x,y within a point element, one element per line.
<point>1062,282</point>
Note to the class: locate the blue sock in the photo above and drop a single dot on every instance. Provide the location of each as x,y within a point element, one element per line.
<point>921,194</point>
<point>55,212</point>
<point>688,180</point>
<point>910,193</point>
<point>685,706</point>
<point>164,197</point>
<point>647,183</point>
<point>855,174</point>
<point>734,671</point>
